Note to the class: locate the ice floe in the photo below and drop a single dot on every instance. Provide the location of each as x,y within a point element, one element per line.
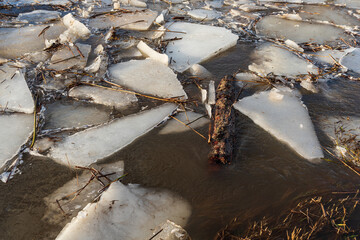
<point>300,31</point>
<point>279,61</point>
<point>204,14</point>
<point>38,16</point>
<point>15,130</point>
<point>351,60</point>
<point>116,99</point>
<point>197,43</point>
<point>126,212</point>
<point>90,145</point>
<point>281,113</point>
<point>147,76</point>
<point>74,56</point>
<point>137,20</point>
<point>14,92</point>
<point>191,119</point>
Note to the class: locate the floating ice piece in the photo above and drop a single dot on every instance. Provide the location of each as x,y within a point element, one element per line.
<point>192,119</point>
<point>73,115</point>
<point>88,146</point>
<point>126,212</point>
<point>138,20</point>
<point>214,3</point>
<point>170,231</point>
<point>351,60</point>
<point>14,92</point>
<point>211,94</point>
<point>151,53</point>
<point>294,45</point>
<point>279,61</point>
<point>15,42</point>
<point>72,205</point>
<point>135,3</point>
<point>75,30</point>
<point>329,56</point>
<point>282,114</point>
<point>200,71</point>
<point>204,14</point>
<point>147,76</point>
<point>308,85</point>
<point>95,65</point>
<point>198,43</point>
<point>111,98</point>
<point>299,31</point>
<point>75,57</point>
<point>15,130</point>
<point>38,16</point>
<point>252,8</point>
<point>246,76</point>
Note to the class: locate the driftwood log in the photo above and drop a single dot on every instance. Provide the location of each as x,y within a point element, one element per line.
<point>223,122</point>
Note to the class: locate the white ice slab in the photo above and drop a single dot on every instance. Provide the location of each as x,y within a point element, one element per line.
<point>76,29</point>
<point>70,57</point>
<point>14,42</point>
<point>40,2</point>
<point>192,119</point>
<point>200,71</point>
<point>38,16</point>
<point>126,212</point>
<point>151,53</point>
<point>138,20</point>
<point>111,98</point>
<point>204,14</point>
<point>270,58</point>
<point>66,194</point>
<point>299,31</point>
<point>14,92</point>
<point>86,147</point>
<point>73,115</point>
<point>147,76</point>
<point>352,60</point>
<point>282,114</point>
<point>135,3</point>
<point>15,129</point>
<point>198,43</point>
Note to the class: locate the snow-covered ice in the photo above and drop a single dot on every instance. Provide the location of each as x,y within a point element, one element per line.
<point>15,130</point>
<point>192,119</point>
<point>147,76</point>
<point>14,92</point>
<point>126,212</point>
<point>198,43</point>
<point>281,113</point>
<point>90,145</point>
<point>107,97</point>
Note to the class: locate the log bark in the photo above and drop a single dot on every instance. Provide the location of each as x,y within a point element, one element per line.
<point>223,123</point>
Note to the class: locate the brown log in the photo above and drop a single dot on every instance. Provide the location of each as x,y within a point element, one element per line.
<point>223,122</point>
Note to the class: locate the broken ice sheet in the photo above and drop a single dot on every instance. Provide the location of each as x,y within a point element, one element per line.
<point>137,20</point>
<point>275,59</point>
<point>14,42</point>
<point>191,119</point>
<point>74,56</point>
<point>300,31</point>
<point>281,113</point>
<point>197,43</point>
<point>111,98</point>
<point>71,202</point>
<point>15,130</point>
<point>328,56</point>
<point>147,76</point>
<point>38,16</point>
<point>93,144</point>
<point>14,92</point>
<point>351,60</point>
<point>204,14</point>
<point>40,2</point>
<point>126,212</point>
<point>74,115</point>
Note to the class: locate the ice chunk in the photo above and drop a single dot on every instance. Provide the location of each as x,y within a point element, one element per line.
<point>252,8</point>
<point>137,20</point>
<point>198,43</point>
<point>86,147</point>
<point>147,76</point>
<point>299,31</point>
<point>291,16</point>
<point>171,231</point>
<point>329,56</point>
<point>151,53</point>
<point>281,113</point>
<point>75,30</point>
<point>135,3</point>
<point>14,92</point>
<point>204,14</point>
<point>351,60</point>
<point>116,99</point>
<point>40,2</point>
<point>126,212</point>
<point>199,71</point>
<point>74,56</point>
<point>211,94</point>
<point>192,119</point>
<point>15,130</point>
<point>73,115</point>
<point>66,194</point>
<point>294,45</point>
<point>214,3</point>
<point>38,16</point>
<point>246,76</point>
<point>14,42</point>
<point>274,59</point>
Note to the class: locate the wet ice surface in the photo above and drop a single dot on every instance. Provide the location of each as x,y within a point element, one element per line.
<point>62,67</point>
